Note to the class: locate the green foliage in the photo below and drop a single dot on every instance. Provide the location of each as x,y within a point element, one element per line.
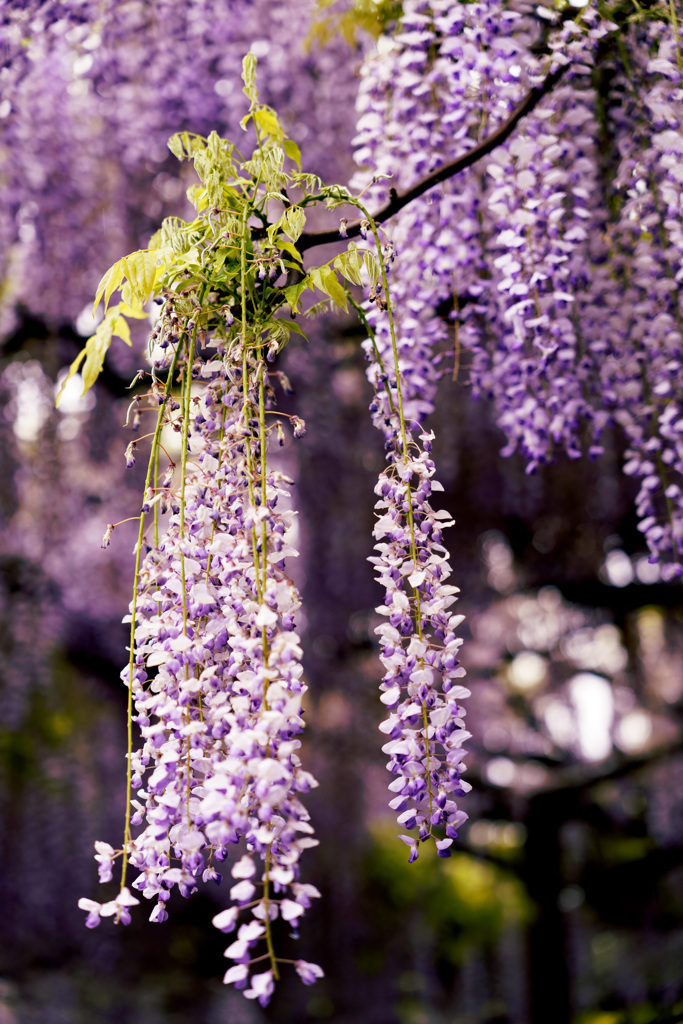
<point>642,1013</point>
<point>333,18</point>
<point>350,264</point>
<point>114,325</point>
<point>199,263</point>
<point>325,280</point>
<point>461,900</point>
<point>55,720</point>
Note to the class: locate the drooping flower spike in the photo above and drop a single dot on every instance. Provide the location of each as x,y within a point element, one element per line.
<point>419,642</point>
<point>215,676</point>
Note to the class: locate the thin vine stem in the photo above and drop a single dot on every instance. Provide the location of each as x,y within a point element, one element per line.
<point>404,442</point>
<point>136,580</point>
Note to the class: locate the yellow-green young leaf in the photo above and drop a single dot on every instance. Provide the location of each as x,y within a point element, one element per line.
<point>337,196</point>
<point>215,146</point>
<point>197,196</point>
<point>110,281</point>
<point>232,197</point>
<point>274,228</point>
<point>335,290</point>
<point>350,264</point>
<point>122,330</point>
<point>249,76</point>
<point>291,249</point>
<point>290,325</point>
<point>326,280</point>
<point>213,188</point>
<point>190,257</point>
<point>72,370</point>
<point>175,144</point>
<point>267,121</point>
<point>136,310</point>
<point>95,350</point>
<point>184,145</point>
<point>295,222</point>
<point>372,267</point>
<point>202,165</point>
<point>293,292</point>
<point>292,151</point>
<point>141,270</point>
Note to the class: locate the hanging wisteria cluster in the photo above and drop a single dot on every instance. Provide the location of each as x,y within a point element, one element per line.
<point>558,253</point>
<point>214,675</point>
<point>419,643</point>
<point>530,159</point>
<point>216,678</point>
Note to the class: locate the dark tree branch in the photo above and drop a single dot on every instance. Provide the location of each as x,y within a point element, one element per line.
<point>397,202</point>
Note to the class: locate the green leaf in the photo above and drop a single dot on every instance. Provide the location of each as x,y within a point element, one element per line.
<point>110,281</point>
<point>350,264</point>
<point>292,151</point>
<point>291,325</point>
<point>293,292</point>
<point>291,249</point>
<point>337,196</point>
<point>267,121</point>
<point>325,279</point>
<point>96,349</point>
<point>295,222</point>
<point>280,329</point>
<point>249,77</point>
<point>197,196</point>
<point>219,258</point>
<point>224,264</point>
<point>122,330</point>
<point>372,267</point>
<point>72,370</point>
<point>141,270</point>
<point>185,145</point>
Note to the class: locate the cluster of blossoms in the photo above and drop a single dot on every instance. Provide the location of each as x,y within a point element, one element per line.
<point>552,264</point>
<point>419,644</point>
<point>216,676</point>
<point>641,373</point>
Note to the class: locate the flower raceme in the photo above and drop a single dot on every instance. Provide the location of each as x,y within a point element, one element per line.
<point>419,644</point>
<point>421,687</point>
<point>217,684</point>
<point>214,675</point>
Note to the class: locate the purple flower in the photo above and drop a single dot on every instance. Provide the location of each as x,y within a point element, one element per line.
<point>309,973</point>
